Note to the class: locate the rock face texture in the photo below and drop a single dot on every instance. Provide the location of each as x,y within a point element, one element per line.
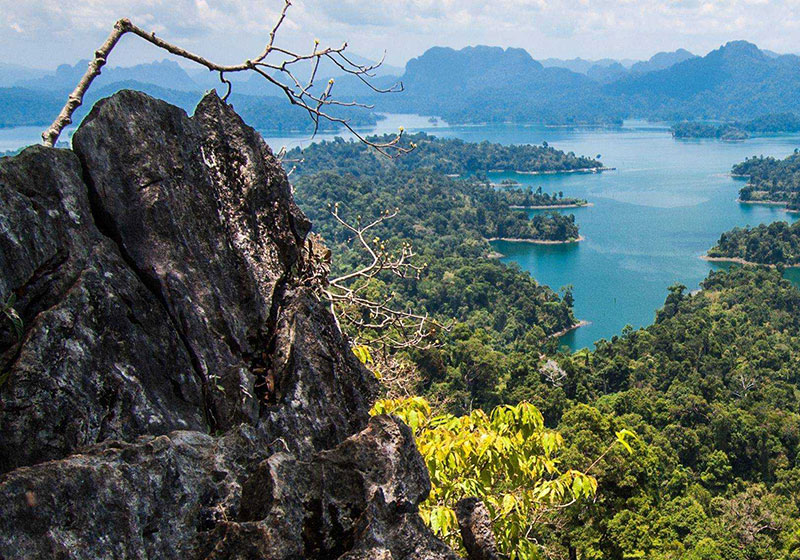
<point>179,390</point>
<point>475,525</point>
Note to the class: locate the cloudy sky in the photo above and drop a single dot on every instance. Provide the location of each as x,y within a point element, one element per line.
<point>45,33</point>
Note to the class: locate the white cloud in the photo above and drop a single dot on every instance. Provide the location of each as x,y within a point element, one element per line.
<point>47,32</point>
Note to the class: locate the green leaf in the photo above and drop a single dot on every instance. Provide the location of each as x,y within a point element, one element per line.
<point>621,438</point>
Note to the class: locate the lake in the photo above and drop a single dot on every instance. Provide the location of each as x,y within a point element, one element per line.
<point>663,207</point>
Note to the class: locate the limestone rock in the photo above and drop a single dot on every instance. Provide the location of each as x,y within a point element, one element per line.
<point>98,359</point>
<point>476,530</point>
<point>204,214</point>
<point>180,389</point>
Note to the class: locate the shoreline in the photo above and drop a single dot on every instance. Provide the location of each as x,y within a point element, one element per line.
<point>741,261</point>
<point>537,241</point>
<point>557,171</point>
<point>768,203</point>
<point>548,206</point>
<point>562,332</point>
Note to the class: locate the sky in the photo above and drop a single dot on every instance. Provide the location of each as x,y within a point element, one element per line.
<point>46,33</point>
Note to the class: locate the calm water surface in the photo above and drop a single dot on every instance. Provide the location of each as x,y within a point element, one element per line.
<point>664,206</point>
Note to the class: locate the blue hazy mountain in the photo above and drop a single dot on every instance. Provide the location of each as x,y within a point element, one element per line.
<point>166,74</point>
<point>737,80</point>
<point>607,70</point>
<point>491,84</point>
<point>34,97</point>
<point>10,74</point>
<point>661,61</point>
<point>606,74</point>
<point>583,65</point>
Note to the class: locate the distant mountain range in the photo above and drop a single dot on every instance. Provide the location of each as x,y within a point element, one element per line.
<point>34,97</point>
<point>604,68</point>
<point>470,85</point>
<point>491,84</point>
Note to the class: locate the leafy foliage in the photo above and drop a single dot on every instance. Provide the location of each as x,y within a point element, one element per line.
<point>506,458</point>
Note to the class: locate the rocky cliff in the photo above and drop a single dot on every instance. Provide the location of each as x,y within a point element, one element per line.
<point>179,390</point>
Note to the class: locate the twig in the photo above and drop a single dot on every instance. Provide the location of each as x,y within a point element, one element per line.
<point>385,324</point>
<point>297,93</point>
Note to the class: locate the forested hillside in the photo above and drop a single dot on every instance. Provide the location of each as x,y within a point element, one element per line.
<point>711,388</point>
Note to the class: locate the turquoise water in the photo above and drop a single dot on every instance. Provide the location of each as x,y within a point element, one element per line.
<point>664,206</point>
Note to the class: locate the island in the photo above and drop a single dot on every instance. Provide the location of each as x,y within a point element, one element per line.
<point>550,228</point>
<point>770,180</point>
<point>528,199</point>
<point>776,244</point>
<point>736,131</point>
<point>728,132</point>
<point>450,156</point>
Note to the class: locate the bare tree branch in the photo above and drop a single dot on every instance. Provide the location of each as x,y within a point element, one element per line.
<point>553,373</point>
<point>381,324</point>
<point>278,73</point>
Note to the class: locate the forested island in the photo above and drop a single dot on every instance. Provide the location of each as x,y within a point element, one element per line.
<point>770,180</point>
<point>775,244</point>
<point>539,200</point>
<point>729,132</point>
<point>733,131</point>
<point>449,156</point>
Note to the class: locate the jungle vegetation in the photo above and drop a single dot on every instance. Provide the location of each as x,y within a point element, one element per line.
<point>776,244</point>
<point>711,389</point>
<point>771,180</point>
